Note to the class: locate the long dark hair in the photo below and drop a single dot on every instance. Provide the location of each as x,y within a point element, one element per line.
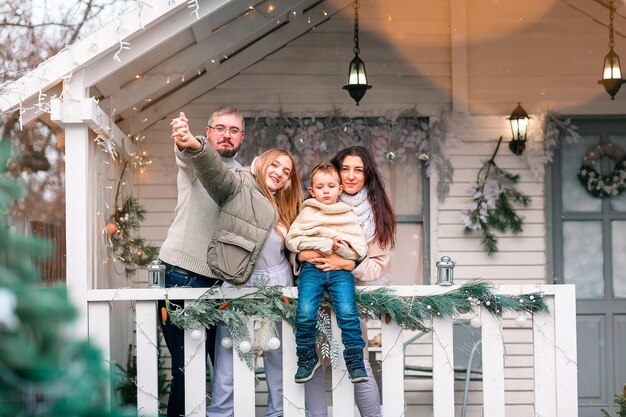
<point>384,216</point>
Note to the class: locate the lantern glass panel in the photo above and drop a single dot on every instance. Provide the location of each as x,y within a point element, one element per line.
<point>612,68</point>
<point>357,74</point>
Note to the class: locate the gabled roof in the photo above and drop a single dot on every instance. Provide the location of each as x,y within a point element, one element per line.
<point>159,57</point>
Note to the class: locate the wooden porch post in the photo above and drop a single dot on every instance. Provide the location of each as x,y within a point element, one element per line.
<point>78,196</point>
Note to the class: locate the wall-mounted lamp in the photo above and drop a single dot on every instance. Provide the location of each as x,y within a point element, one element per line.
<point>519,126</point>
<point>357,79</point>
<point>611,72</point>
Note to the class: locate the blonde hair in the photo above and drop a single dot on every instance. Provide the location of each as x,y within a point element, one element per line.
<point>287,201</point>
<point>326,168</point>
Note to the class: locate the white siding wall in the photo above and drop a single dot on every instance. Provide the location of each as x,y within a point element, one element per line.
<point>306,76</point>
<point>521,258</point>
<point>406,48</point>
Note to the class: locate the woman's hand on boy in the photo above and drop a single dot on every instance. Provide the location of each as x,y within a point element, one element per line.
<point>326,263</point>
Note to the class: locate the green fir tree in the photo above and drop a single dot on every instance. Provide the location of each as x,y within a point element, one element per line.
<point>43,371</point>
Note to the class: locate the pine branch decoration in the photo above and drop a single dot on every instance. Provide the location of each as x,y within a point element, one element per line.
<point>494,196</point>
<point>130,250</point>
<point>411,313</point>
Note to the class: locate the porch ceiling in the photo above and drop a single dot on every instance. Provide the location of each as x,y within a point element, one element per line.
<point>176,58</point>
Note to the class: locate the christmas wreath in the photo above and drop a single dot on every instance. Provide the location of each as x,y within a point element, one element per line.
<point>609,185</point>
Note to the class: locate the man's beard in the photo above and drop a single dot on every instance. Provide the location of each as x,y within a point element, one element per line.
<point>228,153</point>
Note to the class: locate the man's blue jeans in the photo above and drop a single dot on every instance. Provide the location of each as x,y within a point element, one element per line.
<point>174,336</point>
<point>340,284</point>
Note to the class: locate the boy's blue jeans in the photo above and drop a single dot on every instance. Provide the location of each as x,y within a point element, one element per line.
<point>340,284</point>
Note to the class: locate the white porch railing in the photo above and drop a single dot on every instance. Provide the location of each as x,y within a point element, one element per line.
<point>554,351</point>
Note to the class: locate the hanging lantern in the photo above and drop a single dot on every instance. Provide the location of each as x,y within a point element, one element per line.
<point>357,78</point>
<point>519,127</point>
<point>612,71</point>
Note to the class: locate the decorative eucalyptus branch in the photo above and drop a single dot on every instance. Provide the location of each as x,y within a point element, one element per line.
<point>408,141</point>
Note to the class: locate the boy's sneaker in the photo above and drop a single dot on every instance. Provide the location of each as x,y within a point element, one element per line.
<point>358,375</point>
<point>308,363</point>
<point>355,365</point>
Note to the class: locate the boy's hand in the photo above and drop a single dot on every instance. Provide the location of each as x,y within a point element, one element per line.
<point>337,243</point>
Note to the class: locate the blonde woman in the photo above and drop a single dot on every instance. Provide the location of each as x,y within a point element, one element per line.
<point>257,206</point>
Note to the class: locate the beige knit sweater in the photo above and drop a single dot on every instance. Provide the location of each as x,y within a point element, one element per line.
<point>318,224</point>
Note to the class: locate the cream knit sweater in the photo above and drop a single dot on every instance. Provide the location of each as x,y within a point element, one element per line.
<point>195,218</point>
<point>318,224</point>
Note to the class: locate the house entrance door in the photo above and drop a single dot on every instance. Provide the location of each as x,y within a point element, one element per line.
<point>589,250</point>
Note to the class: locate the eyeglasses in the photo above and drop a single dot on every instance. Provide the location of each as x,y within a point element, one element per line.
<point>222,129</point>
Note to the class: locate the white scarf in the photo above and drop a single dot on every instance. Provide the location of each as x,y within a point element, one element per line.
<point>363,210</point>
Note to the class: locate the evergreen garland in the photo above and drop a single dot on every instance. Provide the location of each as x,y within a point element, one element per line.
<point>123,226</point>
<point>129,250</point>
<point>411,313</point>
<point>494,195</point>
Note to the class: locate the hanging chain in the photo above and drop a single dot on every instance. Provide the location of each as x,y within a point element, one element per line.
<point>356,27</point>
<point>611,16</point>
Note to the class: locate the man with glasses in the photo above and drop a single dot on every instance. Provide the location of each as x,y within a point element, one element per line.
<point>184,250</point>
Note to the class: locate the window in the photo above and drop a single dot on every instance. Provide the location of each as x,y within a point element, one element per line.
<point>393,143</point>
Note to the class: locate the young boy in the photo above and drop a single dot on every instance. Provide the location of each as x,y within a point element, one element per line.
<point>327,226</point>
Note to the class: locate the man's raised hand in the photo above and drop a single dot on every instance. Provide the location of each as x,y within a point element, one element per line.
<point>181,134</point>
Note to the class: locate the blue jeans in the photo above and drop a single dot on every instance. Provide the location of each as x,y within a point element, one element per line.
<point>175,336</point>
<point>340,284</point>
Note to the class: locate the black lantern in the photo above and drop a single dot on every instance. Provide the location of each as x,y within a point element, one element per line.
<point>519,126</point>
<point>357,78</point>
<point>612,71</point>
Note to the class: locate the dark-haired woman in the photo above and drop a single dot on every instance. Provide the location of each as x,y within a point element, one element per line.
<point>364,190</point>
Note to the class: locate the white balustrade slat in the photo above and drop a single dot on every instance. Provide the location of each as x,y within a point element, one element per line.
<point>343,389</point>
<point>293,394</point>
<point>100,334</point>
<point>443,368</point>
<point>147,372</point>
<point>554,354</point>
<point>243,379</point>
<point>544,354</point>
<point>493,364</point>
<point>566,354</point>
<point>195,374</point>
<point>392,368</point>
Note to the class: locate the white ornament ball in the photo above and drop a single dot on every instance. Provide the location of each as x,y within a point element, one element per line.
<point>8,302</point>
<point>273,343</point>
<point>196,335</point>
<point>245,346</point>
<point>520,320</point>
<point>476,322</point>
<point>227,342</point>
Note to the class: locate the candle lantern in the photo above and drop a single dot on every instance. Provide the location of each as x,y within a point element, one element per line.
<point>156,274</point>
<point>445,267</point>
